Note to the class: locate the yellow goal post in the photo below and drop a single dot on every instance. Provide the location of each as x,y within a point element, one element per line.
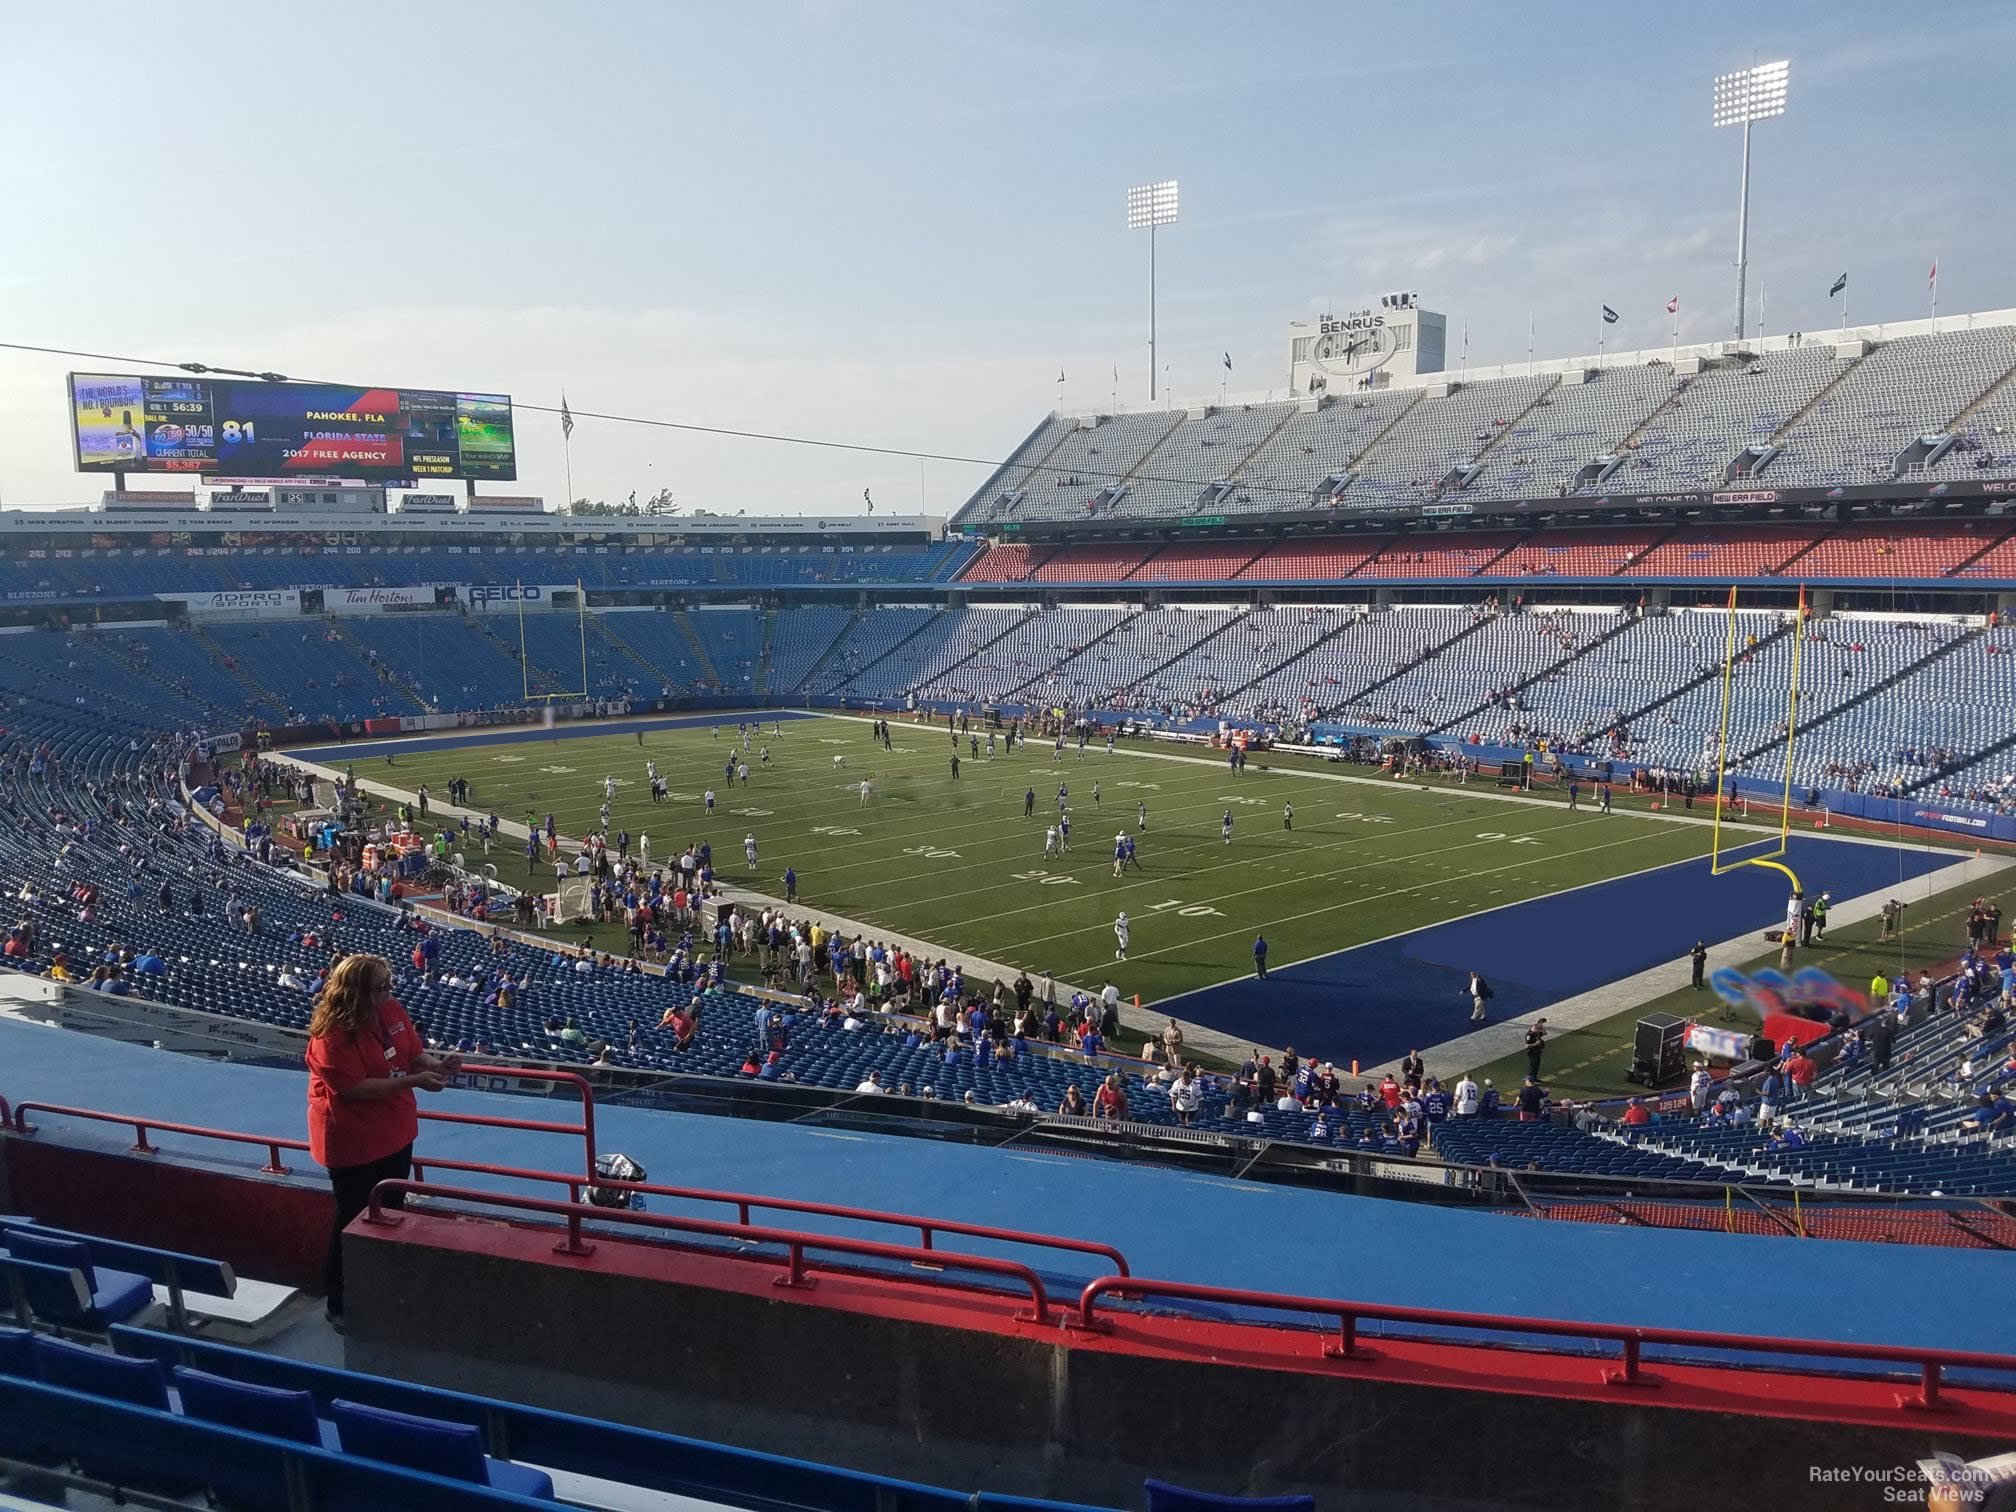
<point>1722,861</point>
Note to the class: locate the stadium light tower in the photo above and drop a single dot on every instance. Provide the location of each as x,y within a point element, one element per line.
<point>1742,99</point>
<point>1151,205</point>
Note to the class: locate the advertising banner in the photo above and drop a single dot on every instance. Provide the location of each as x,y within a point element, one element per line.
<point>375,600</point>
<point>249,603</point>
<point>494,596</point>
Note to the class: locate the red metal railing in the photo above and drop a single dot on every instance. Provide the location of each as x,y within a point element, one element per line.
<point>585,1129</point>
<point>142,1126</point>
<point>1930,1363</point>
<point>794,1243</point>
<point>744,1203</point>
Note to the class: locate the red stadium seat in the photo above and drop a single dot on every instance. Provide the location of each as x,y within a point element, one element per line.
<point>1014,563</point>
<point>1897,550</point>
<point>1312,561</point>
<point>1575,553</point>
<point>1725,551</point>
<point>1091,564</point>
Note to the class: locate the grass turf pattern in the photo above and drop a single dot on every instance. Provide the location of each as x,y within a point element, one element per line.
<point>955,862</point>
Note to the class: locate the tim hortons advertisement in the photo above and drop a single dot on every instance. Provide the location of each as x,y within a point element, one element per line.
<point>375,600</point>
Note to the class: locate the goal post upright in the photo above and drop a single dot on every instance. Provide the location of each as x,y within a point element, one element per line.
<point>1717,866</point>
<point>525,648</point>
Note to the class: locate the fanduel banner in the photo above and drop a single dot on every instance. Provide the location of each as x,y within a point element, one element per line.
<point>242,601</point>
<point>375,600</point>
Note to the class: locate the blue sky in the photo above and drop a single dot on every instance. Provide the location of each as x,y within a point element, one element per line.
<point>895,223</point>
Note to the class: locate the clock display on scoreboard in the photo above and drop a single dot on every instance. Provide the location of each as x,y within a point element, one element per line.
<point>277,430</point>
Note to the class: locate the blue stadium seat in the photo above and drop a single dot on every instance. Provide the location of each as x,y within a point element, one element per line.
<point>78,1368</point>
<point>1163,1497</point>
<point>141,1383</point>
<point>274,1411</point>
<point>454,1450</point>
<point>59,1283</point>
<point>177,1272</point>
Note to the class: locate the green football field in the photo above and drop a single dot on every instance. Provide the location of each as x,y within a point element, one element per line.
<point>956,863</point>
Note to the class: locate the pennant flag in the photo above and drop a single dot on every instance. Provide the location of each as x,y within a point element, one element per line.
<point>1673,305</point>
<point>1609,316</point>
<point>1933,278</point>
<point>870,501</point>
<point>1228,362</point>
<point>1060,375</point>
<point>566,420</point>
<point>1839,284</point>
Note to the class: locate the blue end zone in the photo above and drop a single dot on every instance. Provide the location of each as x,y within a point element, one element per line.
<point>452,740</point>
<point>1376,1002</point>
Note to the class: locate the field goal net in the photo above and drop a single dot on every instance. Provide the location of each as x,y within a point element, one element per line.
<point>1740,650</point>
<point>574,901</point>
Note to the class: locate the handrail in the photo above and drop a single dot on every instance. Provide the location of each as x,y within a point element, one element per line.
<point>273,1143</point>
<point>744,1202</point>
<point>141,1125</point>
<point>585,1128</point>
<point>1930,1362</point>
<point>795,1243</point>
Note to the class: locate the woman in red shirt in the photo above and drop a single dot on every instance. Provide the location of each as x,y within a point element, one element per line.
<point>364,1060</point>
<point>1110,1102</point>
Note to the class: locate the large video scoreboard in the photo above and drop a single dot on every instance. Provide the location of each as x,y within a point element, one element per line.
<point>275,430</point>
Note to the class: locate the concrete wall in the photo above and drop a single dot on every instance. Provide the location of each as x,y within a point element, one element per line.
<point>1029,1411</point>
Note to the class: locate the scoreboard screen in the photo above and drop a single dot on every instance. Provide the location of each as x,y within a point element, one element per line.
<point>245,429</point>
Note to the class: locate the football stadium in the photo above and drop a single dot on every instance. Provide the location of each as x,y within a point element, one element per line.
<point>1286,949</point>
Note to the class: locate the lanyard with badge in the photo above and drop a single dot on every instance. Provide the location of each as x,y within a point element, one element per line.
<point>387,1036</point>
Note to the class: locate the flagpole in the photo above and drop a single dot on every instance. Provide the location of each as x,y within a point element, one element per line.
<point>1529,343</point>
<point>1935,294</point>
<point>567,451</point>
<point>1675,359</point>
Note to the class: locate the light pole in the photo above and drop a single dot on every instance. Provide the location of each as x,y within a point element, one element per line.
<point>1151,205</point>
<point>1741,99</point>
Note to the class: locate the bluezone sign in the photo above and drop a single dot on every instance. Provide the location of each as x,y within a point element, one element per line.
<point>530,595</point>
